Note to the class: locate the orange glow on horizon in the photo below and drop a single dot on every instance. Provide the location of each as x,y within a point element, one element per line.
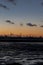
<point>23,31</point>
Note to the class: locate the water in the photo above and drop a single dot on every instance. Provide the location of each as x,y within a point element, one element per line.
<point>25,53</point>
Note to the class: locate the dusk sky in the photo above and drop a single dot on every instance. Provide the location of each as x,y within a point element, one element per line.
<point>23,17</point>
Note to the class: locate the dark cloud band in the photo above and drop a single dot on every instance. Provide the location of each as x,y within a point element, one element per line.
<point>10,22</point>
<point>42,3</point>
<point>41,26</point>
<point>3,6</point>
<point>31,25</point>
<point>12,1</point>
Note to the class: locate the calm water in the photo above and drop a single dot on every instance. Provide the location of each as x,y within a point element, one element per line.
<point>25,53</point>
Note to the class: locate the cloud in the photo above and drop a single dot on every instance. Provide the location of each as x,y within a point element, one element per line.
<point>31,25</point>
<point>42,3</point>
<point>41,26</point>
<point>21,24</point>
<point>3,6</point>
<point>12,1</point>
<point>10,22</point>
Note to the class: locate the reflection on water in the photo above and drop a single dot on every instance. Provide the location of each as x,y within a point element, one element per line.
<point>25,53</point>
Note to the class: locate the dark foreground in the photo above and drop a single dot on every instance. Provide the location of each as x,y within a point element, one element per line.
<point>11,64</point>
<point>38,63</point>
<point>22,39</point>
<point>21,53</point>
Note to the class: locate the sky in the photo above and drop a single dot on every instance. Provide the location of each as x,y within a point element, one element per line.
<point>21,17</point>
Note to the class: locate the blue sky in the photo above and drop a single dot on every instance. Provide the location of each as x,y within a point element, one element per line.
<point>25,11</point>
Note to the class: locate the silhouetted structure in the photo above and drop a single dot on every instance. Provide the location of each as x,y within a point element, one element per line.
<point>19,38</point>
